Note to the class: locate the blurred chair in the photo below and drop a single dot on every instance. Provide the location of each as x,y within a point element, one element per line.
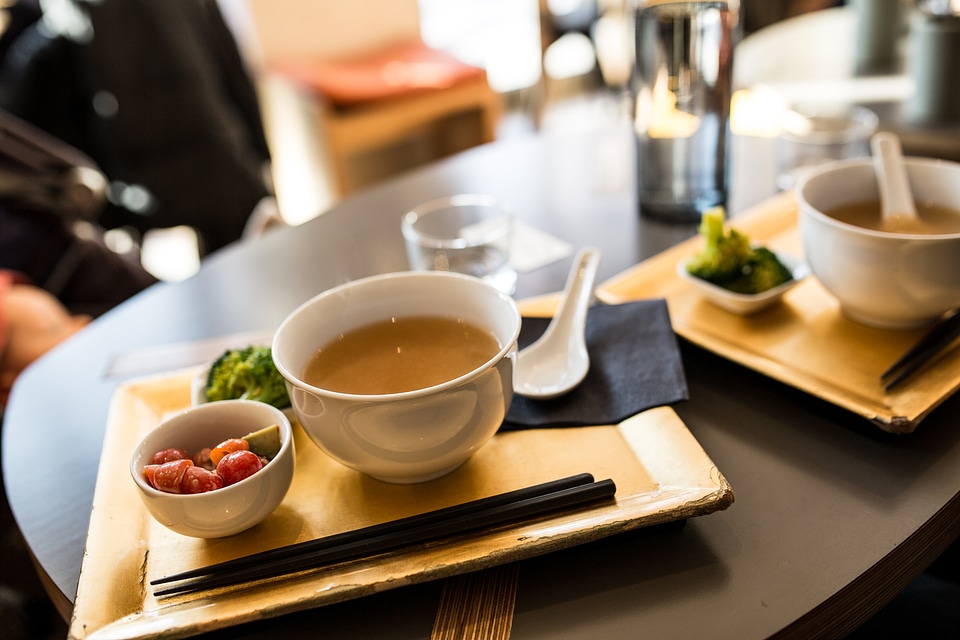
<point>376,84</point>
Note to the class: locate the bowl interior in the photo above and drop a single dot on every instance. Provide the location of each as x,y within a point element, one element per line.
<point>206,426</point>
<point>854,181</point>
<point>362,302</point>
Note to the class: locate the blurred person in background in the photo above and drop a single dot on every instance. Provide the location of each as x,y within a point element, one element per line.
<point>157,94</point>
<point>50,198</point>
<point>32,321</point>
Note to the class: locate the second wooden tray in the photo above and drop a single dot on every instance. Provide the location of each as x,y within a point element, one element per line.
<point>805,341</point>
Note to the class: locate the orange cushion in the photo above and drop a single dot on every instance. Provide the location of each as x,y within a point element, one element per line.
<point>400,70</point>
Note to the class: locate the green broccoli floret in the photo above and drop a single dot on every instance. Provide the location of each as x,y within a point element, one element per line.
<point>247,374</point>
<point>728,259</point>
<point>723,253</point>
<point>761,272</point>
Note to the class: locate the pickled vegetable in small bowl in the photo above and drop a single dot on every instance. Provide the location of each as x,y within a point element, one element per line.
<point>747,303</point>
<point>185,498</point>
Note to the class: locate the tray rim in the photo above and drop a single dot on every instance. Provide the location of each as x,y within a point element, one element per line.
<point>128,615</point>
<point>772,217</point>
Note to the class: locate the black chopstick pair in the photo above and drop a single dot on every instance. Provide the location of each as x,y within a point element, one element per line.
<point>924,351</point>
<point>512,506</point>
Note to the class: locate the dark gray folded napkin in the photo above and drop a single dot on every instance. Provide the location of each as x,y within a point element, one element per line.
<point>635,365</point>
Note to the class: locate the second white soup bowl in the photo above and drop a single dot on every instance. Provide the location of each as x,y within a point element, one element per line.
<point>882,279</point>
<point>411,436</point>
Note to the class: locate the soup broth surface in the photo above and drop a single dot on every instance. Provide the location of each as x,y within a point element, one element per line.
<point>400,354</point>
<point>932,219</point>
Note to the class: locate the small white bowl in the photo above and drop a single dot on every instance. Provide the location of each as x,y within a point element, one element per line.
<point>744,303</point>
<point>230,510</point>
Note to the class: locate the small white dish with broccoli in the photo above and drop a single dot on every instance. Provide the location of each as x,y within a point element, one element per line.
<point>735,274</point>
<point>243,373</point>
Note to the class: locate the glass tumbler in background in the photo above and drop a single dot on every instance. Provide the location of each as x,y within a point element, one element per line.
<point>681,85</point>
<point>879,26</point>
<point>465,233</point>
<point>934,50</point>
<point>814,134</point>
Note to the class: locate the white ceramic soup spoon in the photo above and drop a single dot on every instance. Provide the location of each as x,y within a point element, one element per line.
<point>898,210</point>
<point>558,361</point>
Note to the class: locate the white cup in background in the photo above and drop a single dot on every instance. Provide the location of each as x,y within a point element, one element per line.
<point>934,50</point>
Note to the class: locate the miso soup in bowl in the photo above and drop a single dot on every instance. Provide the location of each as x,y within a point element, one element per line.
<point>401,376</point>
<point>891,278</point>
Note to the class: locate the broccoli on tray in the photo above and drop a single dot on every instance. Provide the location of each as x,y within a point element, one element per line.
<point>247,374</point>
<point>729,260</point>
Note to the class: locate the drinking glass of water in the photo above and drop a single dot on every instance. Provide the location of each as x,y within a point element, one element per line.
<point>466,233</point>
<point>681,85</point>
<point>814,134</point>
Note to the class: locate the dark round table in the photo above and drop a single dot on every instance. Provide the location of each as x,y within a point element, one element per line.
<point>832,518</point>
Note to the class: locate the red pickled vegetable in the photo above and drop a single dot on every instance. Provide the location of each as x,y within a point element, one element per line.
<point>202,459</point>
<point>199,480</point>
<point>169,454</point>
<point>169,475</point>
<point>237,465</point>
<point>149,472</point>
<point>227,446</point>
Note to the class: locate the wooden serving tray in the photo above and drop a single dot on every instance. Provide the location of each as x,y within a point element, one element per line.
<point>661,472</point>
<point>806,341</point>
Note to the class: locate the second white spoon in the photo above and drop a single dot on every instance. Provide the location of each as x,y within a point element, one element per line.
<point>898,212</point>
<point>558,361</point>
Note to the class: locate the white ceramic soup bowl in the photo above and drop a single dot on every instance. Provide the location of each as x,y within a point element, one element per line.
<point>411,436</point>
<point>234,508</point>
<point>881,279</point>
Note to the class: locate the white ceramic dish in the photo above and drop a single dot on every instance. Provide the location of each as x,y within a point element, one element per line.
<point>743,303</point>
<point>881,279</point>
<point>230,510</point>
<point>412,436</point>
